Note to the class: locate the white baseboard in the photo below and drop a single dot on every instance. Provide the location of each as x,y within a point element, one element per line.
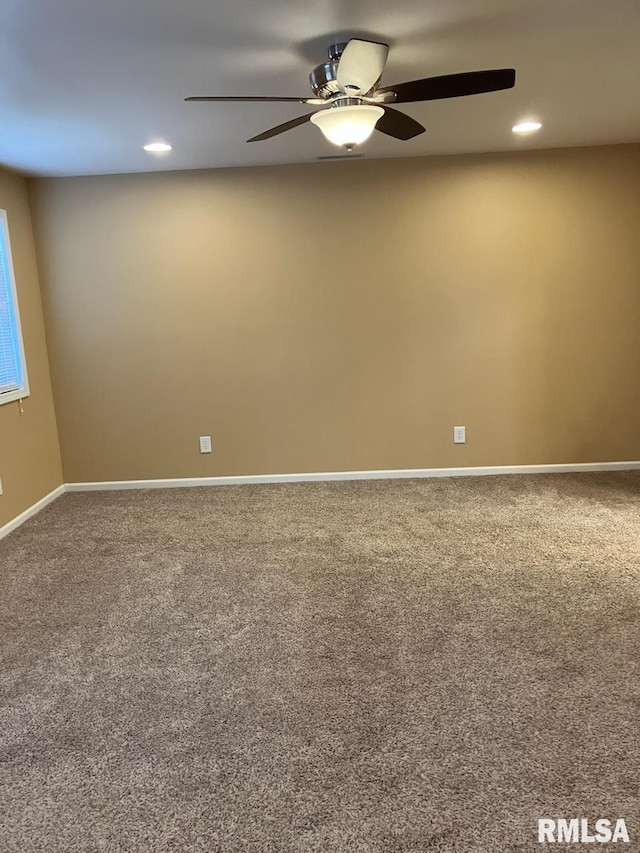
<point>391,474</point>
<point>29,513</point>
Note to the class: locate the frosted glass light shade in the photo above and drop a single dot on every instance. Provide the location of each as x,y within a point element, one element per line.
<point>348,126</point>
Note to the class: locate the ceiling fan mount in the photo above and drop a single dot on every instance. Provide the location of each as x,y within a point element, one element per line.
<point>336,50</point>
<point>349,85</point>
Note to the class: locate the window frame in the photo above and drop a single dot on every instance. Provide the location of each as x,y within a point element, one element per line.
<point>22,392</point>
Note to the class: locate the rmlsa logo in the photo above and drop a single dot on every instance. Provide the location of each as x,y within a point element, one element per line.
<point>576,830</point>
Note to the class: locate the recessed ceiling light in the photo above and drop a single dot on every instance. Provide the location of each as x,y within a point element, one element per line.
<point>526,127</point>
<point>158,147</point>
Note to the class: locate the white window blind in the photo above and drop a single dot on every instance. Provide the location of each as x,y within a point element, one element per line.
<point>13,379</point>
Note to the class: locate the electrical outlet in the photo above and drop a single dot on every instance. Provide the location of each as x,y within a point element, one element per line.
<point>205,444</point>
<point>0,487</point>
<point>460,435</point>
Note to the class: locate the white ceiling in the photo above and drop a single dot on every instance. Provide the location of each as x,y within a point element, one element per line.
<point>84,84</point>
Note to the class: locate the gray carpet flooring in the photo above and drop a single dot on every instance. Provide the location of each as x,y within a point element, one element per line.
<point>370,666</point>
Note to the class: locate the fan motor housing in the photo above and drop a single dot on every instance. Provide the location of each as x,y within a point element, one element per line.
<point>324,79</point>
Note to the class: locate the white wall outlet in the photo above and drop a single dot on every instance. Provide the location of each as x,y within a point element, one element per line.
<point>0,487</point>
<point>205,444</point>
<point>459,435</point>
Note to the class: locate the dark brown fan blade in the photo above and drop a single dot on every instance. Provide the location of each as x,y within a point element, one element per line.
<point>452,85</point>
<point>281,128</point>
<point>228,100</point>
<point>399,125</point>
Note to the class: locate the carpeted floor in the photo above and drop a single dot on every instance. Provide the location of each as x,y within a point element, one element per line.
<point>401,666</point>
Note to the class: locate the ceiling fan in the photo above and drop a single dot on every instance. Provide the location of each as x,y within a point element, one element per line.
<point>348,84</point>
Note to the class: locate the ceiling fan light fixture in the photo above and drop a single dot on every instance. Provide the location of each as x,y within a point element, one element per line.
<point>348,126</point>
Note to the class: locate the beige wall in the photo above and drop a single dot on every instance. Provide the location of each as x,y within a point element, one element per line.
<point>29,452</point>
<point>345,316</point>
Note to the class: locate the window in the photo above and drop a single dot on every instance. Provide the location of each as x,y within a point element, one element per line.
<point>13,371</point>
